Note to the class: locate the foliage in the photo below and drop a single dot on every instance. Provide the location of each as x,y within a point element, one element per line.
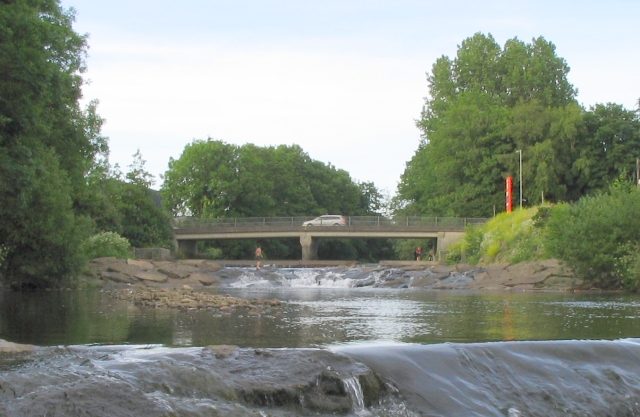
<point>598,237</point>
<point>106,244</point>
<point>487,104</point>
<point>125,204</point>
<point>48,144</point>
<point>611,145</point>
<point>508,237</point>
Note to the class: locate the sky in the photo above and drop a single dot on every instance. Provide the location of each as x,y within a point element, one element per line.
<point>345,80</point>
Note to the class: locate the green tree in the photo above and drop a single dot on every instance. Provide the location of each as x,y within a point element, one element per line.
<point>610,146</point>
<point>48,144</point>
<point>483,106</point>
<point>213,179</point>
<point>141,219</point>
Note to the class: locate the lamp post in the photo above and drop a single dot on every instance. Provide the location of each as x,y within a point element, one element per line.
<point>520,152</point>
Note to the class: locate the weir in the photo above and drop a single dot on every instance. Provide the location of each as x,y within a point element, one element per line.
<point>446,230</point>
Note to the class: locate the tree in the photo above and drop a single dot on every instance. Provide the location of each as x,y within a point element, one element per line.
<point>213,179</point>
<point>143,221</point>
<point>609,148</point>
<point>483,106</point>
<point>48,144</point>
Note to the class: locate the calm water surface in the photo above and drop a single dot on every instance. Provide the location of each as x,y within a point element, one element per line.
<point>319,317</point>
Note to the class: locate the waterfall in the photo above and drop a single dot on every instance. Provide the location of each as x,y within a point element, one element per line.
<point>353,387</point>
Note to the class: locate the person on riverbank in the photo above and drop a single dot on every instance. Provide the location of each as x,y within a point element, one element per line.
<point>258,256</point>
<point>417,254</point>
<point>432,255</point>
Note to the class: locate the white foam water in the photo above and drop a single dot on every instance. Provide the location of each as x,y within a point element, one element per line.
<point>354,389</point>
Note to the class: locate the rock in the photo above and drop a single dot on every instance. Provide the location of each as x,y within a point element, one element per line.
<point>465,268</point>
<point>288,378</point>
<point>440,269</point>
<point>145,265</point>
<point>117,277</point>
<point>365,282</point>
<point>423,281</point>
<point>177,271</point>
<point>204,279</point>
<point>124,268</point>
<point>222,351</point>
<point>87,396</point>
<point>202,264</point>
<point>151,276</point>
<point>393,283</point>
<point>10,347</point>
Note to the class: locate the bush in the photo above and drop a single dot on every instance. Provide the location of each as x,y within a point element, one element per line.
<point>597,237</point>
<point>212,253</point>
<point>106,244</point>
<point>508,237</point>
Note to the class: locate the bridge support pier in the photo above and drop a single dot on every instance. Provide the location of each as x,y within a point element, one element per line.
<point>309,247</point>
<point>188,247</point>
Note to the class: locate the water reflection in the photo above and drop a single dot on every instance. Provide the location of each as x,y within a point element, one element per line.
<point>320,317</point>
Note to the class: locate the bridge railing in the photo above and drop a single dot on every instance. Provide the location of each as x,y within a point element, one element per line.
<point>360,221</point>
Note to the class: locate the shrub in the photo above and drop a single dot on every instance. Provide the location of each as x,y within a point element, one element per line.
<point>508,237</point>
<point>106,244</point>
<point>598,237</point>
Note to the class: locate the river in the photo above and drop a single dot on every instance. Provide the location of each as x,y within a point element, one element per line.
<point>440,353</point>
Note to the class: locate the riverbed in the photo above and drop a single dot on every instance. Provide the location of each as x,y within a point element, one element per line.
<point>437,352</point>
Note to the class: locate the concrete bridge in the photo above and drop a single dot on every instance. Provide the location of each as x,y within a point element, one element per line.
<point>446,230</point>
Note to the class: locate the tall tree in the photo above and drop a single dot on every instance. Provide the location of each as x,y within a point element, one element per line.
<point>47,142</point>
<point>483,106</point>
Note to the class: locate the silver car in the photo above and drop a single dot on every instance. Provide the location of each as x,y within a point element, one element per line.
<point>327,220</point>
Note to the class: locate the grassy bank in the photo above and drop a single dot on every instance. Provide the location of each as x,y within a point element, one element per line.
<point>507,238</point>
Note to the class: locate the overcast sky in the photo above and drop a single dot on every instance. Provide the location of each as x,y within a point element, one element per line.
<point>343,79</point>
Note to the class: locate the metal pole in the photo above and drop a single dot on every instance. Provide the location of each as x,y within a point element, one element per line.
<point>520,152</point>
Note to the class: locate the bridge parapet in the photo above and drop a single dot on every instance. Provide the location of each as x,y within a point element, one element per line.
<point>358,221</point>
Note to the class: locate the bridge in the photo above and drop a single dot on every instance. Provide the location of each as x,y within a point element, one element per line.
<point>446,230</point>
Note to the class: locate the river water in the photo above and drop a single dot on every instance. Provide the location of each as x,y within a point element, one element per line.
<point>443,353</point>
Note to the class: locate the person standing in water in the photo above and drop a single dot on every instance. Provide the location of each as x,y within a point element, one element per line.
<point>258,257</point>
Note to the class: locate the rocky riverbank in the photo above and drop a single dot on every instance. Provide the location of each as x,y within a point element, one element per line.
<point>547,275</point>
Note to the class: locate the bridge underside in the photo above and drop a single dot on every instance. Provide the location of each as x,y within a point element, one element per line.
<point>187,243</point>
